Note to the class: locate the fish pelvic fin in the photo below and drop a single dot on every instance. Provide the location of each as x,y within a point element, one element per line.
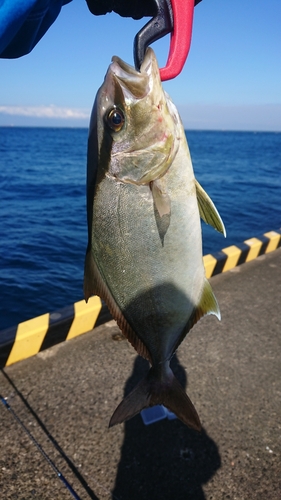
<point>155,390</point>
<point>95,285</point>
<point>207,209</point>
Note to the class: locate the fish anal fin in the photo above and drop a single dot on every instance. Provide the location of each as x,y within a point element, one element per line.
<point>151,391</point>
<point>207,209</point>
<point>95,285</point>
<point>207,305</point>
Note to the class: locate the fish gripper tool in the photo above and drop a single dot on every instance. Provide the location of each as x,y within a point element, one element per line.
<point>175,17</point>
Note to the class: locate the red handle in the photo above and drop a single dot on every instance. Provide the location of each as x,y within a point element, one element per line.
<point>180,38</point>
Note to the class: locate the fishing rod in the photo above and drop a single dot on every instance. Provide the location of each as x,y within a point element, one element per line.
<point>52,439</point>
<point>39,447</point>
<point>70,464</point>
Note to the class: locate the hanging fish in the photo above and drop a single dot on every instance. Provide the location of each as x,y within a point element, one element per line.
<point>144,255</point>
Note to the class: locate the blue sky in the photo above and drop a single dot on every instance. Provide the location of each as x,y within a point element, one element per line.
<point>231,80</point>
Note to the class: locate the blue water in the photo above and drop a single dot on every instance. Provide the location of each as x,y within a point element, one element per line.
<point>43,215</point>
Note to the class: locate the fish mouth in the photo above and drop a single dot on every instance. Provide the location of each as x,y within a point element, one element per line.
<point>135,84</point>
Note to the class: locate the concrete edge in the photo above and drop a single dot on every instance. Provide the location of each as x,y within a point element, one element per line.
<point>30,337</point>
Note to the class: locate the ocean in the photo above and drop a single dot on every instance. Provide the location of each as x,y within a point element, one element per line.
<point>43,207</point>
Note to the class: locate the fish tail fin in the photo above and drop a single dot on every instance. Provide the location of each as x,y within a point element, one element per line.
<point>153,390</point>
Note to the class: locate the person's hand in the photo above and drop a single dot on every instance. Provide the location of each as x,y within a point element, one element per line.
<point>125,8</point>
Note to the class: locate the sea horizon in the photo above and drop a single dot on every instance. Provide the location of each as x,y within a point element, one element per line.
<point>185,128</point>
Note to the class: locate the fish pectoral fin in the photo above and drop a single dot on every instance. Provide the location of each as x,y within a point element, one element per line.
<point>152,391</point>
<point>162,207</point>
<point>207,209</point>
<point>161,198</point>
<point>95,285</point>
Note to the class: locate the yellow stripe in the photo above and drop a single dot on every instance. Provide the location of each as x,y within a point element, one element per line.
<point>85,316</point>
<point>233,253</point>
<point>29,338</point>
<point>209,264</point>
<point>255,246</point>
<point>274,240</point>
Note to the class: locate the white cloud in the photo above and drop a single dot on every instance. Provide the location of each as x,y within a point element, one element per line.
<point>50,111</point>
<point>263,117</point>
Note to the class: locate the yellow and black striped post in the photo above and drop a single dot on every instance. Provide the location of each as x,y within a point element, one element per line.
<point>235,255</point>
<point>35,335</point>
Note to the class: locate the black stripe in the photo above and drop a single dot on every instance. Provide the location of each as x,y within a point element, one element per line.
<point>245,249</point>
<point>7,340</point>
<point>265,242</point>
<point>221,258</point>
<point>59,326</point>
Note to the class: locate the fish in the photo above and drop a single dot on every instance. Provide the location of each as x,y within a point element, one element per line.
<point>144,205</point>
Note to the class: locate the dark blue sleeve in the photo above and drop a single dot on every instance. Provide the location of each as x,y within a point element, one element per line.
<point>24,22</point>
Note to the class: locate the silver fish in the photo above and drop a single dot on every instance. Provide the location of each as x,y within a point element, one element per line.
<point>144,255</point>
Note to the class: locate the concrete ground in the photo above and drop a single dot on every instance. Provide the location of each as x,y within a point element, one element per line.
<point>232,371</point>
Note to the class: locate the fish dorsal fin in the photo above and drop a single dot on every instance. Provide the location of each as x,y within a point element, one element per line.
<point>95,285</point>
<point>207,305</point>
<point>207,209</point>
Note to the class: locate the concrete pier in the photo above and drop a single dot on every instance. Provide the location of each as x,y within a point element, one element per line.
<point>66,395</point>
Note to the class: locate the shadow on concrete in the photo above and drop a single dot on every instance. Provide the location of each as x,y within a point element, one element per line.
<point>70,464</point>
<point>164,460</point>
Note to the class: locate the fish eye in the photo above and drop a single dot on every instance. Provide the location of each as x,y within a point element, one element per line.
<point>115,119</point>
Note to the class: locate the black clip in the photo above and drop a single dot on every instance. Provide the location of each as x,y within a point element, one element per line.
<point>160,25</point>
